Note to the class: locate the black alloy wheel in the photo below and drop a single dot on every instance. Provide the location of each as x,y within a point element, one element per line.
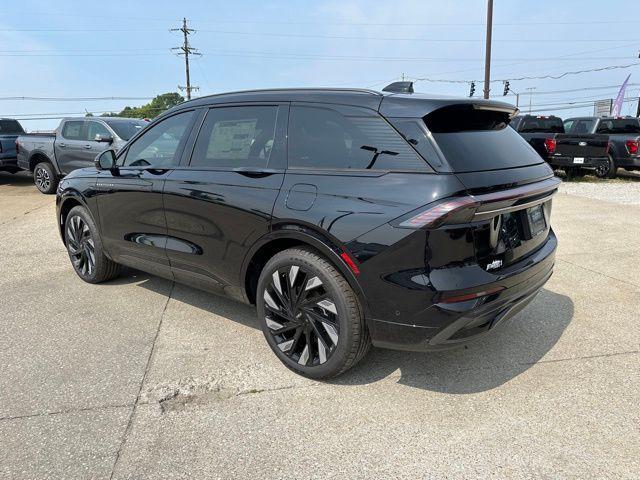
<point>606,170</point>
<point>301,316</point>
<point>85,248</point>
<point>81,247</point>
<point>310,315</point>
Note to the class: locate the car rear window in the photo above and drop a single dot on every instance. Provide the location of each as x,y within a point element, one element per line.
<point>477,139</point>
<point>10,127</point>
<point>619,125</point>
<point>539,124</point>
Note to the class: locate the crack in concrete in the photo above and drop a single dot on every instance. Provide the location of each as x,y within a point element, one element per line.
<point>65,411</point>
<point>599,273</point>
<point>144,377</point>
<point>201,394</point>
<point>178,399</point>
<point>24,214</point>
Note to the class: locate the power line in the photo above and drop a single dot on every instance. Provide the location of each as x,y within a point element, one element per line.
<point>339,37</point>
<point>303,56</point>
<point>539,77</point>
<point>437,40</point>
<point>74,99</point>
<point>186,50</point>
<point>322,22</point>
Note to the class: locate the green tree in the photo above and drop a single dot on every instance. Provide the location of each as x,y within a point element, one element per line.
<point>152,109</point>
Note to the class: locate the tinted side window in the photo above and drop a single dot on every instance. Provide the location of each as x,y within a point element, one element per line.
<point>159,146</point>
<point>236,137</point>
<point>96,128</point>
<point>347,138</point>
<point>72,130</point>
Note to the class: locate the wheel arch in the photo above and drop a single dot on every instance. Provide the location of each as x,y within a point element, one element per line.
<point>286,238</point>
<point>38,156</point>
<point>68,201</point>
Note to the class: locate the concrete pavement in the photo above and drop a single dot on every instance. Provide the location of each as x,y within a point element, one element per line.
<point>140,378</point>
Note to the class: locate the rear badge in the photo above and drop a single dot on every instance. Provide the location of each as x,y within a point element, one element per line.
<point>494,265</point>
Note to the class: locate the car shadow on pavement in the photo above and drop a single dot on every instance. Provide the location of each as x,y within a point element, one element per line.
<point>19,179</point>
<point>486,364</point>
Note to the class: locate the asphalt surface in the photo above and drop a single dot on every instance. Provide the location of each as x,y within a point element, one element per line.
<point>140,378</point>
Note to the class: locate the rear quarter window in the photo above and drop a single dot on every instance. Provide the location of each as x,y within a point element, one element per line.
<point>339,137</point>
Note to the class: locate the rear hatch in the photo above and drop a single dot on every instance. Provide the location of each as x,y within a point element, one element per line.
<point>509,184</point>
<point>582,145</point>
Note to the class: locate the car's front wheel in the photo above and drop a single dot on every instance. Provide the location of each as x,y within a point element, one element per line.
<point>310,315</point>
<point>85,248</point>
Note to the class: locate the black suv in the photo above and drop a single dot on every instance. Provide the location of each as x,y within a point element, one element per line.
<point>348,217</point>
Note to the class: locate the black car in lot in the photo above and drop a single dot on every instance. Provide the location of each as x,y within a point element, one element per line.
<point>603,144</point>
<point>348,217</point>
<point>539,131</point>
<point>10,130</point>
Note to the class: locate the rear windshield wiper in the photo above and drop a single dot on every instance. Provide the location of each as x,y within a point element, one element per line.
<point>376,154</point>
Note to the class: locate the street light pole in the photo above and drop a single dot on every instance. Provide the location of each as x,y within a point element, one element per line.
<point>487,57</point>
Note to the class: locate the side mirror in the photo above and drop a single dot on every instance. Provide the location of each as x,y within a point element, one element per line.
<point>106,160</point>
<point>100,138</point>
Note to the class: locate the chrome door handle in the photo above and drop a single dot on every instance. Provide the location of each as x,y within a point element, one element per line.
<point>62,144</point>
<point>88,147</point>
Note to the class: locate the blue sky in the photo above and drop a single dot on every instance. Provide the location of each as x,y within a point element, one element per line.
<point>122,48</point>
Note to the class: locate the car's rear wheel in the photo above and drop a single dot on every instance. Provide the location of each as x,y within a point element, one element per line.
<point>607,170</point>
<point>45,178</point>
<point>85,248</point>
<point>310,315</point>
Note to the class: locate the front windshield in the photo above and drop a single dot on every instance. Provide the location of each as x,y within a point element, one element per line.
<point>125,129</point>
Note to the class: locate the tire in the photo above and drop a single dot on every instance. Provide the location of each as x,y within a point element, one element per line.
<point>84,247</point>
<point>45,178</point>
<point>310,315</point>
<point>608,171</point>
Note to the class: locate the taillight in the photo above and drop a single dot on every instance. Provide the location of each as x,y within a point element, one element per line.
<point>632,146</point>
<point>550,145</point>
<point>436,215</point>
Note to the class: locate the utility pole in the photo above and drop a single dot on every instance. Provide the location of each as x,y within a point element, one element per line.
<point>487,56</point>
<point>530,89</point>
<point>186,50</point>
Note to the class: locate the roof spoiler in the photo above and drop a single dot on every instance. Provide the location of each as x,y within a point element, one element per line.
<point>399,87</point>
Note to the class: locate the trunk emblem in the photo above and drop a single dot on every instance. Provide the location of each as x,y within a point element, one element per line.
<point>582,144</point>
<point>494,265</point>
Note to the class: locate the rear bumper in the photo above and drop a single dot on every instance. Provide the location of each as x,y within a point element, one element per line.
<point>8,160</point>
<point>630,161</point>
<point>589,162</point>
<point>463,322</point>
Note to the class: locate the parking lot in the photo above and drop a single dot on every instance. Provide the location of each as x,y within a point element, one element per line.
<point>141,378</point>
